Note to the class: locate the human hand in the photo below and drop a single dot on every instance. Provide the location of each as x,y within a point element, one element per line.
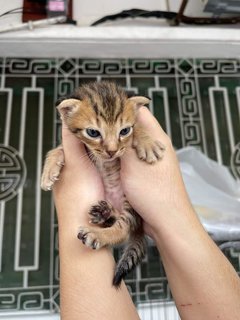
<point>81,268</point>
<point>155,190</point>
<point>80,185</point>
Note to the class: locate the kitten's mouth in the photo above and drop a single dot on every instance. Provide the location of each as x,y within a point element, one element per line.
<point>105,157</point>
<point>111,157</point>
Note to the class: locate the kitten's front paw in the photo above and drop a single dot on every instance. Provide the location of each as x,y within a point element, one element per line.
<point>101,214</point>
<point>50,175</point>
<point>52,168</point>
<point>89,238</point>
<point>150,151</point>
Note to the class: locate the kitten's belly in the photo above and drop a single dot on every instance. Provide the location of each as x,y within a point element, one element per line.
<point>110,172</point>
<point>115,196</point>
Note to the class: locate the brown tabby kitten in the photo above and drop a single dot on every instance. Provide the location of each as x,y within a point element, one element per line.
<point>104,119</point>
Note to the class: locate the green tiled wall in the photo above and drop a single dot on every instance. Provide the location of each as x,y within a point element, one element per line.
<point>196,101</point>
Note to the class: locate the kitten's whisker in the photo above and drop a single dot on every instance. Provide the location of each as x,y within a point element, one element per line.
<point>92,157</point>
<point>84,156</point>
<point>89,159</point>
<point>88,164</point>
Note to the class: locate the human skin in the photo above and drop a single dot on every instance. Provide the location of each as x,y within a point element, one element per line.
<point>86,290</point>
<point>203,282</point>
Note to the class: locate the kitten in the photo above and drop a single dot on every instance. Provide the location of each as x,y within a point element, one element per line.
<point>104,119</point>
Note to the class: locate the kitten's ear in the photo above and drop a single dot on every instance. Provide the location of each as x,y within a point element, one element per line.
<point>139,101</point>
<point>68,107</point>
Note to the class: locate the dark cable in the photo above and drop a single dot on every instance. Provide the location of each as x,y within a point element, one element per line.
<point>136,13</point>
<point>11,11</point>
<point>174,17</point>
<point>22,10</point>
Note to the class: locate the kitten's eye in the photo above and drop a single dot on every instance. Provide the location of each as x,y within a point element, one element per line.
<point>125,131</point>
<point>93,133</point>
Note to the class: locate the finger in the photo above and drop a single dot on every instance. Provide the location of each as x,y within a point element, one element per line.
<point>151,125</point>
<point>74,149</point>
<point>152,128</point>
<point>78,167</point>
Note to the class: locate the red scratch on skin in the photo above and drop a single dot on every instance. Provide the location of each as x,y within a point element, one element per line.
<point>186,305</point>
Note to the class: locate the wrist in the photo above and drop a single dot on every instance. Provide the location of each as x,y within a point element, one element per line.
<point>172,223</point>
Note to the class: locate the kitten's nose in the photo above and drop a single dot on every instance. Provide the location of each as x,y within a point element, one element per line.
<point>111,153</point>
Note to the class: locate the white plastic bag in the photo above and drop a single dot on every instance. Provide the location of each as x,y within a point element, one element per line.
<point>214,193</point>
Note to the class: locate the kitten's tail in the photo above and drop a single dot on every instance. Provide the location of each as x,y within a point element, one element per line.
<point>132,255</point>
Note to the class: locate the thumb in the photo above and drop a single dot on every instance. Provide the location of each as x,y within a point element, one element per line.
<point>74,150</point>
<point>151,125</point>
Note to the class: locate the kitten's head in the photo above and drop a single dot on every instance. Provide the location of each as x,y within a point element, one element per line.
<point>102,117</point>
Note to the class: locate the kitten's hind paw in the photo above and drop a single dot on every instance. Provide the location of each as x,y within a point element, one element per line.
<point>89,238</point>
<point>150,151</point>
<point>101,214</point>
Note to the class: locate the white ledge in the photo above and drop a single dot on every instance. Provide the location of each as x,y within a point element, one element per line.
<point>122,42</point>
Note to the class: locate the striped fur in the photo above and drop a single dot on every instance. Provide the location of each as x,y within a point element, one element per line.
<point>105,107</point>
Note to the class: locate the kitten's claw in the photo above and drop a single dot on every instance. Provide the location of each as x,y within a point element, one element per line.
<point>101,214</point>
<point>90,239</point>
<point>52,168</point>
<point>50,176</point>
<point>151,151</point>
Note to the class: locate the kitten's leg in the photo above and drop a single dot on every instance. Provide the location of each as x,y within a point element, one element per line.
<point>96,238</point>
<point>52,168</point>
<point>128,226</point>
<point>147,149</point>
